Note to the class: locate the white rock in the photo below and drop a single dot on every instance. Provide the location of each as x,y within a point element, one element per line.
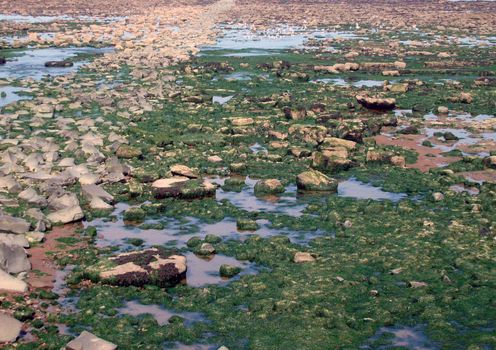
<point>11,284</point>
<point>67,215</point>
<point>10,329</point>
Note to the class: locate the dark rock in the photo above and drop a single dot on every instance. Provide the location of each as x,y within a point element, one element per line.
<point>58,64</point>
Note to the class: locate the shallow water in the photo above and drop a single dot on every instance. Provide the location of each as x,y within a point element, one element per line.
<point>11,95</point>
<point>205,270</point>
<point>161,315</point>
<point>360,190</point>
<point>412,338</point>
<point>31,63</point>
<point>344,83</point>
<point>221,99</point>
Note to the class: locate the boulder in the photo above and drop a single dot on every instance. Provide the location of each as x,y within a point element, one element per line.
<point>11,284</point>
<point>13,239</point>
<point>10,224</point>
<point>89,341</point>
<point>13,258</point>
<point>10,329</point>
<point>153,266</point>
<point>67,215</point>
<point>314,180</point>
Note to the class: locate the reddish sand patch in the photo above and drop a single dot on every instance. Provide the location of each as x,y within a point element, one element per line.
<point>43,270</point>
<point>428,157</point>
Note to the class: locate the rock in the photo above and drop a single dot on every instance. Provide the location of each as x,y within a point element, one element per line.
<point>490,162</point>
<point>399,161</point>
<point>89,341</point>
<point>183,170</point>
<point>13,239</point>
<point>61,200</point>
<point>399,88</point>
<point>337,142</point>
<point>270,186</point>
<point>9,184</point>
<point>134,214</point>
<point>35,236</point>
<point>449,136</point>
<point>303,257</point>
<point>415,284</point>
<point>206,249</point>
<point>58,64</point>
<point>465,97</point>
<point>242,121</point>
<point>150,266</point>
<point>443,110</point>
<point>246,225</point>
<point>182,187</point>
<point>128,152</point>
<point>10,224</point>
<point>214,159</point>
<point>31,196</point>
<point>229,271</point>
<point>13,259</point>
<point>67,215</point>
<point>3,60</point>
<point>437,196</point>
<point>382,104</point>
<point>11,284</point>
<point>314,180</point>
<point>10,329</point>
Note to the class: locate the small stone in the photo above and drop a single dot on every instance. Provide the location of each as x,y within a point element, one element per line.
<point>183,170</point>
<point>314,180</point>
<point>270,186</point>
<point>415,284</point>
<point>246,225</point>
<point>442,110</point>
<point>437,196</point>
<point>303,257</point>
<point>134,214</point>
<point>206,249</point>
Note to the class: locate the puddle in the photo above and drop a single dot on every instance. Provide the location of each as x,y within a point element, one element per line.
<point>277,38</point>
<point>68,303</point>
<point>236,76</point>
<point>287,203</point>
<point>161,315</point>
<point>117,232</point>
<point>8,95</point>
<point>344,83</point>
<point>48,19</point>
<point>412,338</point>
<point>473,191</point>
<point>31,63</point>
<point>205,270</point>
<point>258,148</point>
<point>221,99</point>
<point>360,190</point>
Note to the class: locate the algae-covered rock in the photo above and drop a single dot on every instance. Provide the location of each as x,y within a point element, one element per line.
<point>247,225</point>
<point>229,271</point>
<point>128,152</point>
<point>134,214</point>
<point>314,180</point>
<point>138,268</point>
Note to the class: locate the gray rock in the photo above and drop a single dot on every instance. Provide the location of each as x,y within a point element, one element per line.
<point>13,258</point>
<point>10,330</point>
<point>12,239</point>
<point>89,341</point>
<point>10,224</point>
<point>67,215</point>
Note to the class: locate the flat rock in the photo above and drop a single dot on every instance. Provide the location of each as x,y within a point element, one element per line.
<point>11,284</point>
<point>10,329</point>
<point>66,215</point>
<point>383,104</point>
<point>13,239</point>
<point>150,266</point>
<point>10,224</point>
<point>183,170</point>
<point>89,341</point>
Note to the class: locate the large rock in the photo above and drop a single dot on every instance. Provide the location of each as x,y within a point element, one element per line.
<point>10,224</point>
<point>150,266</point>
<point>89,341</point>
<point>13,239</point>
<point>67,215</point>
<point>11,284</point>
<point>381,104</point>
<point>10,328</point>
<point>182,187</point>
<point>316,181</point>
<point>13,258</point>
